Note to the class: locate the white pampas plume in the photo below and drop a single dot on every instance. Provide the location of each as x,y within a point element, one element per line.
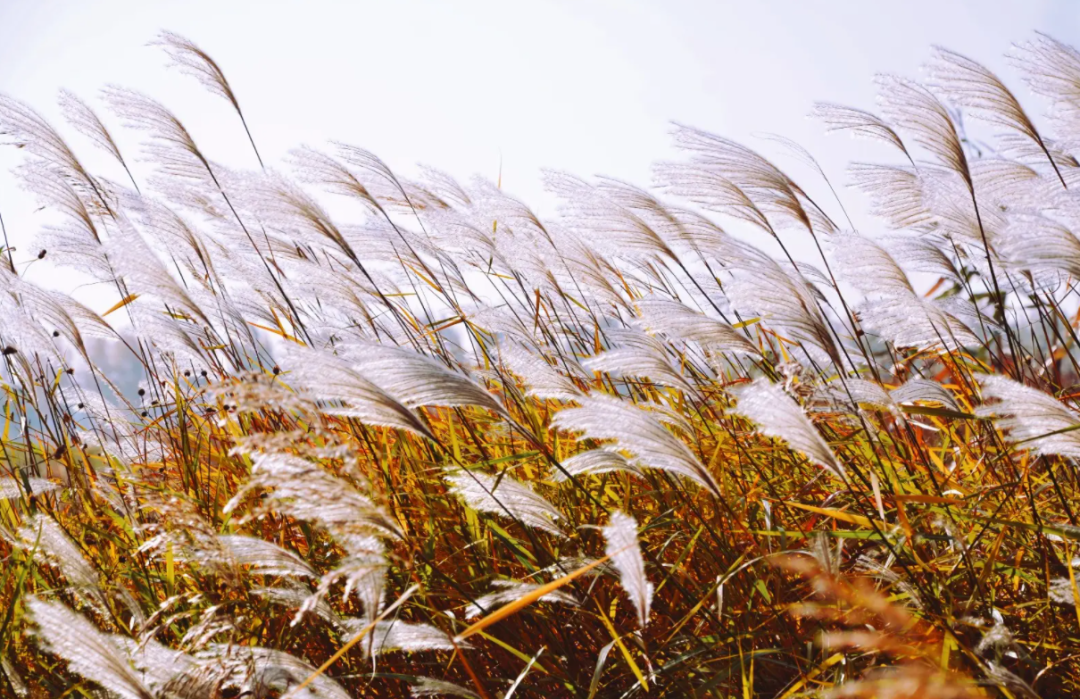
<point>88,652</point>
<point>923,390</point>
<point>625,552</point>
<point>778,415</point>
<point>1038,421</point>
<point>638,354</point>
<point>674,319</point>
<point>11,488</point>
<point>635,431</point>
<point>416,380</point>
<point>49,542</point>
<point>511,498</point>
<point>325,377</point>
<point>593,462</point>
<point>430,687</point>
<point>542,380</point>
<point>856,122</point>
<point>407,636</point>
<point>510,590</point>
<point>265,557</point>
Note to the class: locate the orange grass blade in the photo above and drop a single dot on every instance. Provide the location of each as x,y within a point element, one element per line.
<point>517,605</point>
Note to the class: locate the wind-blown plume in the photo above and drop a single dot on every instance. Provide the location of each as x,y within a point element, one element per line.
<point>915,109</point>
<point>1052,69</point>
<point>676,320</point>
<point>837,117</point>
<point>265,557</point>
<point>638,354</point>
<point>625,552</point>
<point>637,432</point>
<point>778,415</point>
<point>541,378</point>
<point>502,495</point>
<point>1030,417</point>
<point>87,651</point>
<point>510,590</point>
<point>327,378</point>
<point>971,85</point>
<point>593,462</point>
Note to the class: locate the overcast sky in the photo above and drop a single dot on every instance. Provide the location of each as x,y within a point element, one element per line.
<point>588,87</point>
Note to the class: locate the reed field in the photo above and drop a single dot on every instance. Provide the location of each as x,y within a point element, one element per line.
<point>704,436</point>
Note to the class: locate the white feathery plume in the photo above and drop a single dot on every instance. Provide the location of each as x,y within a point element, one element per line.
<point>88,652</point>
<point>871,393</point>
<point>416,380</point>
<point>637,432</point>
<point>770,190</point>
<point>80,116</point>
<point>1052,69</point>
<point>868,267</point>
<point>971,85</point>
<point>431,687</point>
<point>778,415</point>
<point>12,488</point>
<point>52,544</point>
<point>916,322</point>
<point>923,390</point>
<point>916,110</point>
<point>857,122</point>
<point>510,590</point>
<point>609,227</point>
<point>593,462</point>
<point>541,378</point>
<point>1040,245</point>
<point>405,636</point>
<point>259,671</point>
<point>638,354</point>
<point>1032,418</point>
<point>624,550</point>
<point>325,377</point>
<point>785,301</point>
<point>511,498</point>
<point>265,557</point>
<point>302,489</point>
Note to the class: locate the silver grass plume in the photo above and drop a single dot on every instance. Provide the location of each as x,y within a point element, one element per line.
<point>971,85</point>
<point>1052,69</point>
<point>325,377</point>
<point>79,114</point>
<point>304,490</point>
<point>431,687</point>
<point>264,557</point>
<point>88,652</point>
<point>1032,418</point>
<point>914,109</point>
<point>637,354</point>
<point>857,122</point>
<point>677,321</point>
<point>637,432</point>
<point>542,380</point>
<point>778,415</point>
<point>593,462</point>
<point>510,590</point>
<point>625,551</point>
<point>505,496</point>
<point>416,380</point>
<point>50,543</point>
<point>12,488</point>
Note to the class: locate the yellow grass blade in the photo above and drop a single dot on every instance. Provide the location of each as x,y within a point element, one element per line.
<point>123,302</point>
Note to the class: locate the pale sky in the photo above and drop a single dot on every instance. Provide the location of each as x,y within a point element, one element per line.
<point>588,87</point>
